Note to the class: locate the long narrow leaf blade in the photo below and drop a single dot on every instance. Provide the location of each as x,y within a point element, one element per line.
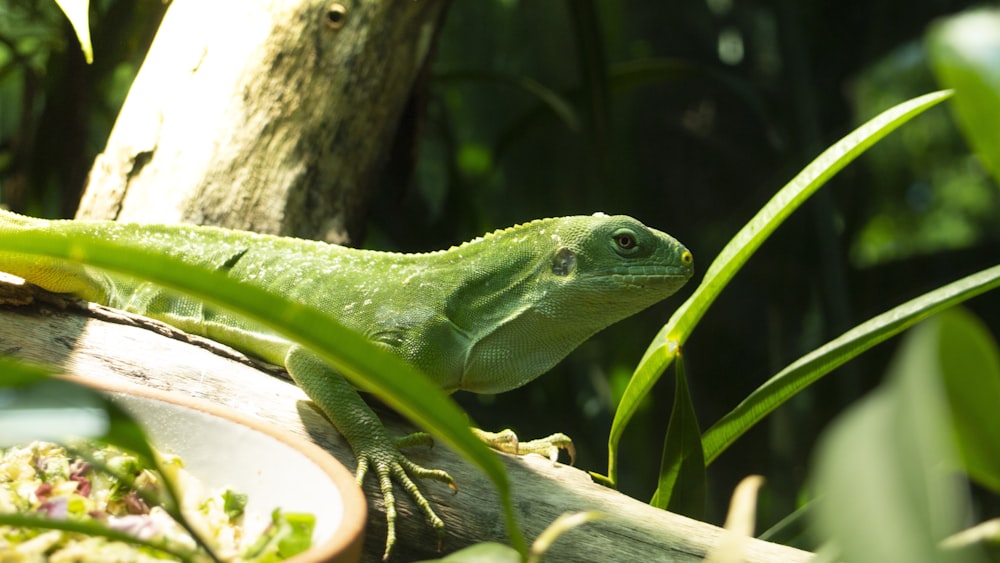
<point>809,368</point>
<point>659,354</point>
<point>683,482</point>
<point>370,368</point>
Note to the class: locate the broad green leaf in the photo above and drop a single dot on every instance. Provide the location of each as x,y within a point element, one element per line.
<point>885,493</point>
<point>367,366</point>
<point>965,53</point>
<point>682,483</point>
<point>77,12</point>
<point>661,351</point>
<point>814,365</point>
<point>17,373</point>
<point>970,368</point>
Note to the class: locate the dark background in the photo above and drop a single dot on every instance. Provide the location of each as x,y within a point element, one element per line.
<point>686,115</point>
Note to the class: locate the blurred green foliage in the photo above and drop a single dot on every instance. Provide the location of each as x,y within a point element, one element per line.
<point>56,111</point>
<point>688,116</point>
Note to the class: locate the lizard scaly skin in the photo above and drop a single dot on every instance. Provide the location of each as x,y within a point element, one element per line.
<point>486,316</point>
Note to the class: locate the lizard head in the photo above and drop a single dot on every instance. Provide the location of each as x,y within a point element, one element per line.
<point>565,279</point>
<point>619,260</point>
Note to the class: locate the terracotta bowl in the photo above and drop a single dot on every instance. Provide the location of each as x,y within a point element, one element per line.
<point>223,448</point>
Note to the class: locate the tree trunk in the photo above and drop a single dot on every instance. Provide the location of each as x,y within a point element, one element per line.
<point>266,115</point>
<point>100,343</point>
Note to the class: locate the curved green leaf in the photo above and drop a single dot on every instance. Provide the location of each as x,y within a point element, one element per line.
<point>814,365</point>
<point>367,366</point>
<point>662,350</point>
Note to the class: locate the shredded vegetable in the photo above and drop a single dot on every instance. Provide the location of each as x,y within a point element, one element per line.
<point>56,485</point>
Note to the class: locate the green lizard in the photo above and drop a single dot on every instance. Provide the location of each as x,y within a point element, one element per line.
<point>487,316</point>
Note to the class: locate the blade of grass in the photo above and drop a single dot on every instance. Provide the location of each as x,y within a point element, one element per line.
<point>661,351</point>
<point>682,484</point>
<point>809,368</point>
<point>368,367</point>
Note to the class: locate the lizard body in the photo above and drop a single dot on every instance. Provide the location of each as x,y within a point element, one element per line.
<point>486,316</point>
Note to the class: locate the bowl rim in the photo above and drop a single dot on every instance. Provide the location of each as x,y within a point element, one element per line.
<point>346,540</point>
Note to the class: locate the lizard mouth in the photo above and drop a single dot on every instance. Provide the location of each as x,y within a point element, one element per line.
<point>649,272</point>
<point>640,277</point>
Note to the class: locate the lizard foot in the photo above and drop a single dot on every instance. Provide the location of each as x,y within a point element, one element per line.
<point>506,441</point>
<point>397,467</point>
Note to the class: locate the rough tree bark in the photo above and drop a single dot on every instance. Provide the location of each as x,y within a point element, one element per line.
<point>265,115</point>
<point>107,345</point>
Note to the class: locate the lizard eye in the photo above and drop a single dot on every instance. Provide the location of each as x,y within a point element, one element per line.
<point>625,241</point>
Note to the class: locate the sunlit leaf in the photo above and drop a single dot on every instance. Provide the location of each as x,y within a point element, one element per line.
<point>77,11</point>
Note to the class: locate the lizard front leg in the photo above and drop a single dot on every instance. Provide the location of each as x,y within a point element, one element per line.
<point>373,448</point>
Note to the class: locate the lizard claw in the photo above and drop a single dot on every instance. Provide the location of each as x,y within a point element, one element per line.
<point>506,441</point>
<point>400,469</point>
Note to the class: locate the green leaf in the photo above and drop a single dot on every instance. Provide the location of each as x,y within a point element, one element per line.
<point>77,12</point>
<point>682,484</point>
<point>814,365</point>
<point>367,366</point>
<point>882,469</point>
<point>970,368</point>
<point>17,373</point>
<point>964,51</point>
<point>661,351</point>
